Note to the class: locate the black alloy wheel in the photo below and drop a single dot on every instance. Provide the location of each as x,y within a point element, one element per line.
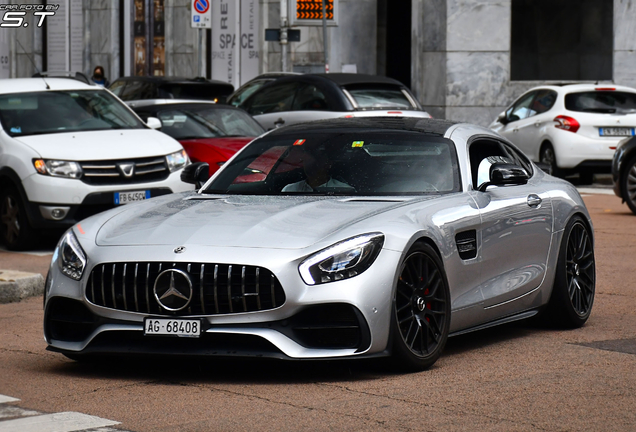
<point>628,185</point>
<point>14,227</point>
<point>548,157</point>
<point>421,310</point>
<point>575,281</point>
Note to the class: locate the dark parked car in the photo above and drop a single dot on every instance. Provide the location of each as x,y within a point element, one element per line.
<point>624,172</point>
<point>306,97</point>
<point>134,88</point>
<point>246,90</point>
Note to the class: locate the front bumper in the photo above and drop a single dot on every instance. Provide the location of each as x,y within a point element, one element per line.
<point>339,319</point>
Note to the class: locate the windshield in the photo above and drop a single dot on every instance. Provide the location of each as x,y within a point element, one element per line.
<point>342,163</point>
<point>202,122</point>
<point>64,111</point>
<point>601,102</point>
<point>246,91</point>
<point>380,97</point>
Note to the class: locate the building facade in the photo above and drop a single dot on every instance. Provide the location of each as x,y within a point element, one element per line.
<point>466,60</point>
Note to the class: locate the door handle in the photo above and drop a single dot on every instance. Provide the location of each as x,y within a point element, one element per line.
<point>537,124</point>
<point>279,122</point>
<point>534,200</point>
<point>515,130</point>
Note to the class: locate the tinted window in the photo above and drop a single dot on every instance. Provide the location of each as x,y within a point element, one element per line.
<point>379,97</point>
<point>246,91</point>
<point>117,87</point>
<point>201,122</point>
<point>345,163</point>
<point>64,111</point>
<point>309,98</point>
<point>543,101</point>
<point>601,102</point>
<point>136,90</point>
<point>208,92</point>
<point>275,98</point>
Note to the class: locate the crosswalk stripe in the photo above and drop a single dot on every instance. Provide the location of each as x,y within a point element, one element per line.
<point>5,399</point>
<point>58,422</point>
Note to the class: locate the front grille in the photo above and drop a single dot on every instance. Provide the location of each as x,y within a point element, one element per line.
<point>217,288</point>
<point>113,172</point>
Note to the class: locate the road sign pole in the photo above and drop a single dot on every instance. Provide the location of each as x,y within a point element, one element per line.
<point>324,34</point>
<point>283,34</point>
<point>200,72</point>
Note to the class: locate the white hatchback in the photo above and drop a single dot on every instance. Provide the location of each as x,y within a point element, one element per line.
<point>571,127</point>
<point>69,150</point>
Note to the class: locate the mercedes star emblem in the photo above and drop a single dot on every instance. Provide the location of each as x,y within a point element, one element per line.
<point>173,290</point>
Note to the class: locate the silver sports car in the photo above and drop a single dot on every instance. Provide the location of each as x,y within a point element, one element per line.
<point>332,239</point>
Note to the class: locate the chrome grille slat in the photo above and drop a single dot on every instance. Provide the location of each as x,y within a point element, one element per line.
<point>150,171</point>
<point>217,288</point>
<point>107,172</point>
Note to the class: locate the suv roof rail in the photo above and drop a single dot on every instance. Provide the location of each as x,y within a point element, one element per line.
<point>78,76</point>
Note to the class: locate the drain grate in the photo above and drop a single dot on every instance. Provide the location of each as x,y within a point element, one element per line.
<point>627,346</point>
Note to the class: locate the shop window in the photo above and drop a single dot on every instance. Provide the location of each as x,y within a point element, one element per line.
<point>567,40</point>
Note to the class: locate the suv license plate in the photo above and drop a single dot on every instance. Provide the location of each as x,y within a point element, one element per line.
<point>132,196</point>
<point>172,327</point>
<point>616,131</point>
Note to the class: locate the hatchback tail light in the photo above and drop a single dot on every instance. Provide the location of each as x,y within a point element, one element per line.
<point>566,123</point>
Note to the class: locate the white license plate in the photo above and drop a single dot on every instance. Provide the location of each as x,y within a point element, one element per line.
<point>616,131</point>
<point>172,327</point>
<point>132,196</point>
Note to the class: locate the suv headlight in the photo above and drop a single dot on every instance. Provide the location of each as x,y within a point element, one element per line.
<point>177,160</point>
<point>70,256</point>
<point>58,168</point>
<point>343,260</point>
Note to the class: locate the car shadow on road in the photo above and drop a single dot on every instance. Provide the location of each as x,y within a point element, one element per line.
<point>184,370</point>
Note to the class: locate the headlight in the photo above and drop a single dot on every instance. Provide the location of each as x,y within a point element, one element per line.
<point>343,260</point>
<point>177,160</point>
<point>70,256</point>
<point>58,168</point>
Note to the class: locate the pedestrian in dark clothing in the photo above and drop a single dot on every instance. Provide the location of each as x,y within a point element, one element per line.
<point>99,78</point>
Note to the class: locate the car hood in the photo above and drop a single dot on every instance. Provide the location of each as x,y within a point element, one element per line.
<point>237,221</point>
<point>101,145</point>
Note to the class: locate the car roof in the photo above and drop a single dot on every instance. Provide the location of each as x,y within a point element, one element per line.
<point>344,79</point>
<point>144,103</point>
<point>179,103</point>
<point>173,80</point>
<point>19,85</point>
<point>578,87</point>
<point>428,126</point>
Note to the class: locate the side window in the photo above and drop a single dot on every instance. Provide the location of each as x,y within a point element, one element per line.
<point>520,159</point>
<point>276,98</point>
<point>136,90</point>
<point>477,152</point>
<point>117,87</point>
<point>309,98</point>
<point>522,109</point>
<point>543,101</point>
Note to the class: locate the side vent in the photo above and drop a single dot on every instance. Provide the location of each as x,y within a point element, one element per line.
<point>467,244</point>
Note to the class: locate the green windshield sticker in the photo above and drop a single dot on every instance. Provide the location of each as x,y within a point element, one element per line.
<point>357,144</point>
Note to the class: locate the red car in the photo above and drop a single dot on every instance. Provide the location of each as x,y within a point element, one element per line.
<point>208,132</point>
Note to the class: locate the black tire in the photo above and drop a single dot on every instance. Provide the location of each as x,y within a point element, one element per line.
<point>586,177</point>
<point>572,296</point>
<point>420,318</point>
<point>548,157</point>
<point>15,230</point>
<point>628,184</point>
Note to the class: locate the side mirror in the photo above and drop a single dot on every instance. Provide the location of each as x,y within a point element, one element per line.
<point>196,173</point>
<point>154,123</point>
<point>502,118</point>
<point>501,171</point>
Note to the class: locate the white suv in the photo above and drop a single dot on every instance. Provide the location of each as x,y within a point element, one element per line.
<point>571,127</point>
<point>69,150</point>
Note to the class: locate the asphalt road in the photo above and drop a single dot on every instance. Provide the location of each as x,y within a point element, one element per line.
<point>513,378</point>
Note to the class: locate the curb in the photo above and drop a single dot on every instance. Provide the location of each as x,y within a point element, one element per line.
<point>16,285</point>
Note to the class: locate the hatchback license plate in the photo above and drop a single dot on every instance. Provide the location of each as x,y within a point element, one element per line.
<point>616,131</point>
<point>132,196</point>
<point>172,327</point>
